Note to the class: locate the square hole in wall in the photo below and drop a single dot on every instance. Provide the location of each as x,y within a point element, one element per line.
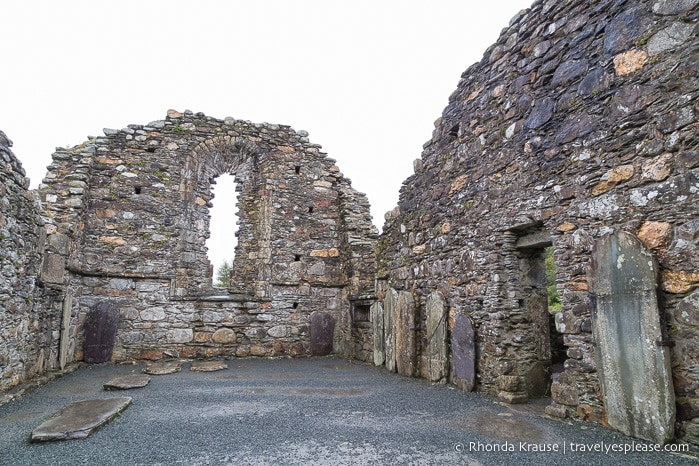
<point>361,313</point>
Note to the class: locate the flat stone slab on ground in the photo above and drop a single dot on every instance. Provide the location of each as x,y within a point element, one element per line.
<point>162,368</point>
<point>127,382</point>
<point>79,419</point>
<point>207,366</point>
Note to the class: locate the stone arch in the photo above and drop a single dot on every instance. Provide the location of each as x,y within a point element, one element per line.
<point>211,158</point>
<point>225,154</point>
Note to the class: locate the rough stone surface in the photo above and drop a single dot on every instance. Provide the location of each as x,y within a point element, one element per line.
<point>163,368</point>
<point>224,336</point>
<point>127,382</point>
<point>405,334</point>
<point>100,332</point>
<point>79,419</point>
<point>673,7</point>
<point>390,305</point>
<point>579,121</point>
<point>306,242</point>
<point>377,319</point>
<point>322,330</point>
<point>634,367</point>
<point>436,349</point>
<point>207,366</point>
<point>29,315</point>
<point>463,353</point>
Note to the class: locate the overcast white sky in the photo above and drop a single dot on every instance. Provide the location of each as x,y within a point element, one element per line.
<point>366,78</point>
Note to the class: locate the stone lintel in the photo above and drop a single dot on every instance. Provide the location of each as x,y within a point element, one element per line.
<point>227,297</point>
<point>521,223</point>
<point>539,239</point>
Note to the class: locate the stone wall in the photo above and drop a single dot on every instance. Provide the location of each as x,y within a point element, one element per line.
<point>29,331</point>
<point>133,208</point>
<point>582,120</point>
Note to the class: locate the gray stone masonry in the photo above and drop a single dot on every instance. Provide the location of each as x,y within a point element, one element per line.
<point>581,120</point>
<point>132,209</point>
<point>28,325</point>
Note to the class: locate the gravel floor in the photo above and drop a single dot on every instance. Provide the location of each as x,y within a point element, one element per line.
<point>301,411</point>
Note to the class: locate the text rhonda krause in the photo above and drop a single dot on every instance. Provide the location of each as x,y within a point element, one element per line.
<point>572,447</point>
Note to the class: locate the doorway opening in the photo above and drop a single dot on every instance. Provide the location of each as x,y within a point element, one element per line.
<point>558,348</point>
<point>540,303</point>
<point>223,229</point>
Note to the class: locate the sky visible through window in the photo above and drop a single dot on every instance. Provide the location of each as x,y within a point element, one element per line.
<point>224,216</point>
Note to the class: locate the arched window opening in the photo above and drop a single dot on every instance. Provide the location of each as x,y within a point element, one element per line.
<point>223,229</point>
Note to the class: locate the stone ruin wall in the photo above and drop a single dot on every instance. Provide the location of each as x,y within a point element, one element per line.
<point>581,120</point>
<point>131,210</point>
<point>29,323</point>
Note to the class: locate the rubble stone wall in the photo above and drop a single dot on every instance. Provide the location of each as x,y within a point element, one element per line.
<point>29,330</point>
<point>581,120</point>
<point>134,206</point>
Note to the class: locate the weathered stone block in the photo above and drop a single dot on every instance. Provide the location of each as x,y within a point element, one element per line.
<point>322,333</point>
<point>153,314</point>
<point>405,334</point>
<point>127,382</point>
<point>687,310</point>
<point>390,304</point>
<point>567,322</point>
<point>657,169</point>
<point>224,336</point>
<point>463,353</point>
<point>556,411</point>
<point>53,268</point>
<point>279,331</point>
<point>654,234</point>
<point>673,7</point>
<point>436,350</point>
<point>257,350</point>
<point>163,367</point>
<point>612,178</point>
<point>564,394</point>
<point>678,281</point>
<point>180,335</point>
<point>509,383</point>
<point>79,419</point>
<point>628,62</point>
<point>635,371</point>
<point>377,319</point>
<point>512,398</point>
<point>207,366</point>
<point>202,337</point>
<point>672,36</point>
<point>100,332</point>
